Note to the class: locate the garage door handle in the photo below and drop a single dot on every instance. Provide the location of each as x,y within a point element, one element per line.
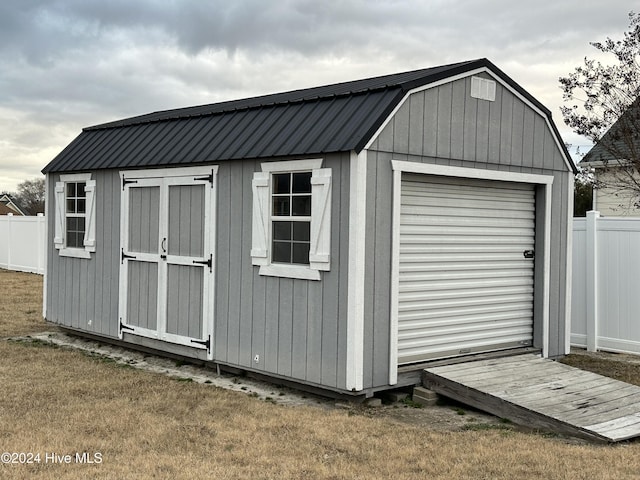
<point>528,254</point>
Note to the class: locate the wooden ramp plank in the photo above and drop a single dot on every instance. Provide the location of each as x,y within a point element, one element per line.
<point>539,392</point>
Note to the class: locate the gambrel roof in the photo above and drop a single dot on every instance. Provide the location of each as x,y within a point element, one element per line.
<point>332,118</point>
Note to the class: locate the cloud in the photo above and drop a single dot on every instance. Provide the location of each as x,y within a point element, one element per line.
<point>67,64</point>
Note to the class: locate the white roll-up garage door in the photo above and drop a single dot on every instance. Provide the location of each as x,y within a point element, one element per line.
<point>466,266</point>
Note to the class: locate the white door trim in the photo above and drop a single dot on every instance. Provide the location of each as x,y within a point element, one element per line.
<point>164,178</point>
<point>398,167</point>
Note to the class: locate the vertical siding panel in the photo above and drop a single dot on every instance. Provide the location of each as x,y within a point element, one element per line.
<point>401,129</point>
<point>517,134</point>
<point>223,229</point>
<point>529,134</point>
<point>196,289</point>
<point>482,134</point>
<point>272,333</point>
<point>506,126</point>
<point>112,248</point>
<point>334,301</point>
<point>370,269</point>
<point>258,325</point>
<point>457,119</point>
<point>443,125</point>
<point>300,310</point>
<point>246,288</point>
<point>470,119</point>
<point>382,287</point>
<point>385,139</point>
<point>416,123</point>
<point>285,330</point>
<point>315,312</point>
<point>235,263</point>
<point>495,122</point>
<point>539,128</point>
<point>430,123</point>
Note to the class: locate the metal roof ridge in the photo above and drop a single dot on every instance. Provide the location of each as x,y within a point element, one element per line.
<point>183,112</point>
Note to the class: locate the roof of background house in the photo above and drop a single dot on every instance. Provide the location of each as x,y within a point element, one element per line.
<point>621,141</point>
<point>330,118</point>
<point>4,210</point>
<point>10,204</point>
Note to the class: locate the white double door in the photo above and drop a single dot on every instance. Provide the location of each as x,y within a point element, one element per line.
<point>167,257</point>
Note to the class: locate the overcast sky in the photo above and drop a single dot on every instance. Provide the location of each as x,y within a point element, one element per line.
<point>67,64</point>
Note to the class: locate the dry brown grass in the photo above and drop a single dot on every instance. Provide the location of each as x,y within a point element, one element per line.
<point>149,426</point>
<point>20,303</point>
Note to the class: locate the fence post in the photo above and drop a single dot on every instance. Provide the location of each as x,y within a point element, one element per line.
<point>592,280</point>
<point>40,229</point>
<point>9,240</point>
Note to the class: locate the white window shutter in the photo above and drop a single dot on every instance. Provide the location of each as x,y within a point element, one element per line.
<point>90,221</point>
<point>319,258</point>
<point>260,227</point>
<point>58,238</point>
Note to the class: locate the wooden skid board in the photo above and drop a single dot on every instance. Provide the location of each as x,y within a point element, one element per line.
<point>534,391</point>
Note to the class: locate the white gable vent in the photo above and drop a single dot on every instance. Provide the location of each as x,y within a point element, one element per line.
<point>483,88</point>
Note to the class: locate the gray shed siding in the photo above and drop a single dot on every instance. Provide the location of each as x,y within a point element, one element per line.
<point>296,327</point>
<point>445,125</point>
<point>80,291</point>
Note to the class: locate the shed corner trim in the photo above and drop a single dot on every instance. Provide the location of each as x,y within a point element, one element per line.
<point>356,268</point>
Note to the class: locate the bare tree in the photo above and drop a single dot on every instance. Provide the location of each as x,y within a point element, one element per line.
<point>31,196</point>
<point>602,103</point>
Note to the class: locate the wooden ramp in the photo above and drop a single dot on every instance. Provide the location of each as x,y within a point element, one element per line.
<point>541,393</point>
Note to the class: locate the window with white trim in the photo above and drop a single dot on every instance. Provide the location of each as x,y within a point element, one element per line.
<point>75,215</point>
<point>292,219</point>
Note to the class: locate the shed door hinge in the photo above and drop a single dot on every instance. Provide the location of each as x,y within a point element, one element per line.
<point>208,178</point>
<point>208,263</point>
<point>124,255</point>
<point>206,343</point>
<point>126,182</point>
<point>124,327</point>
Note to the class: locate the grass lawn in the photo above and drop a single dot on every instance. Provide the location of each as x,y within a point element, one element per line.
<point>60,402</point>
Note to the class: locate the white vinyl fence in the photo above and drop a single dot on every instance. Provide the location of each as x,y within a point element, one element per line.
<point>606,284</point>
<point>22,243</point>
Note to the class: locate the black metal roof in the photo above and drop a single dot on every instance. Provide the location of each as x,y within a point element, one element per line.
<point>331,118</point>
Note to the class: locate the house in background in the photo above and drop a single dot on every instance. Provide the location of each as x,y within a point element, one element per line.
<point>615,161</point>
<point>335,237</point>
<point>9,205</point>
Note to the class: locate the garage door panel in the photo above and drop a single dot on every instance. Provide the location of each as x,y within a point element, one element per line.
<point>434,296</point>
<point>464,284</point>
<point>447,334</point>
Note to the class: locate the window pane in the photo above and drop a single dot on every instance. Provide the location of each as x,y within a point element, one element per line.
<point>81,205</point>
<point>81,225</point>
<point>301,206</point>
<point>302,182</point>
<point>281,252</point>
<point>281,206</point>
<point>80,193</point>
<point>301,231</point>
<point>282,230</point>
<point>71,190</point>
<point>301,253</point>
<point>72,224</point>
<point>282,183</point>
<point>71,206</point>
<point>72,239</point>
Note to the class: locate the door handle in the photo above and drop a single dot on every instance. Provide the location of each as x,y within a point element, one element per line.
<point>528,254</point>
<point>163,245</point>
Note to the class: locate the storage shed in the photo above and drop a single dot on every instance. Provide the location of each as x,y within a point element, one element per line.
<point>337,237</point>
